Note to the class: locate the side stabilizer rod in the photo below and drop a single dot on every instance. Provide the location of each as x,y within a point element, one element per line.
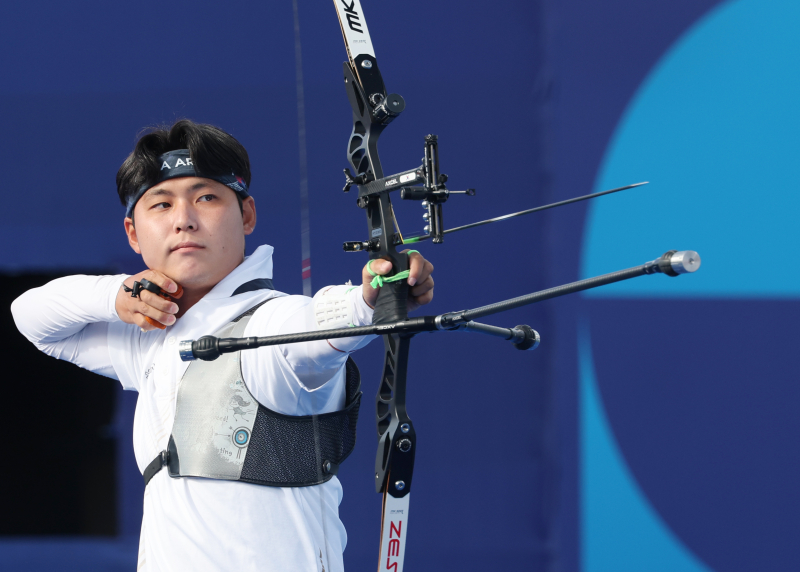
<point>209,348</point>
<point>671,263</point>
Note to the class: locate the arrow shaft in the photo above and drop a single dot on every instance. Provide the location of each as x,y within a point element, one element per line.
<point>543,208</point>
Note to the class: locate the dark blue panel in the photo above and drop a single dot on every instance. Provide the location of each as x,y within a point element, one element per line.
<point>597,55</point>
<point>703,401</point>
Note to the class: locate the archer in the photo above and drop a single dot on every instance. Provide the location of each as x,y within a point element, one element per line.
<point>267,497</point>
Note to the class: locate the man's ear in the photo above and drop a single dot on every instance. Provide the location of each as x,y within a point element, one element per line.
<point>133,240</point>
<point>249,215</point>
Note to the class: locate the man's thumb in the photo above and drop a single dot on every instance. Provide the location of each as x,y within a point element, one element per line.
<point>381,266</point>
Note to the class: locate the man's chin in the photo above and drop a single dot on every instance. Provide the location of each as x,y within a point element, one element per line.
<point>191,277</point>
<point>194,273</point>
<point>194,283</point>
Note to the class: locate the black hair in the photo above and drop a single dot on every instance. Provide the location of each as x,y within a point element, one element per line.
<point>213,153</point>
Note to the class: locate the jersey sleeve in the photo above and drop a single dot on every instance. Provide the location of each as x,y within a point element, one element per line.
<point>280,373</point>
<point>69,319</point>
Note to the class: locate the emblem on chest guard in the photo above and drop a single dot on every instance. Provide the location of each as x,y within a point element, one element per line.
<point>238,409</point>
<point>237,406</point>
<point>241,437</point>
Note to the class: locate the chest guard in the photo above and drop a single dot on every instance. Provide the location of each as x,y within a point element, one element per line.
<point>222,432</point>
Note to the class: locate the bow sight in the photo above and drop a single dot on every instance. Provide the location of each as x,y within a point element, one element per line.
<point>433,193</point>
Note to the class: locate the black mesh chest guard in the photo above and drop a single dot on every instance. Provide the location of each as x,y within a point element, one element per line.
<point>221,432</point>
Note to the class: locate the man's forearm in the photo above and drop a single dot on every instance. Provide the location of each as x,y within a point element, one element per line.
<point>314,363</point>
<point>55,317</point>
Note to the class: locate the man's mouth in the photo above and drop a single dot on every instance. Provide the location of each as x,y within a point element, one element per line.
<point>186,246</point>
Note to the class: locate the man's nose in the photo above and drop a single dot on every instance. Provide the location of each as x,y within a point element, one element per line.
<point>185,216</point>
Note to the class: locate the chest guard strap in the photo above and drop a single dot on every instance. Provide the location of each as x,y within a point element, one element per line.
<point>222,432</point>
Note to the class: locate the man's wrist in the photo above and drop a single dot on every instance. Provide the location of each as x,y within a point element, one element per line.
<point>113,286</point>
<point>362,312</point>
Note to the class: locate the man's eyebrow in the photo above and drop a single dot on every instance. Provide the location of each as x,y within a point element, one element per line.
<point>199,185</point>
<point>161,192</point>
<point>157,192</point>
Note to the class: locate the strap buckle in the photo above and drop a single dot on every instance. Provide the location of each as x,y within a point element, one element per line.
<point>155,466</point>
<point>137,288</point>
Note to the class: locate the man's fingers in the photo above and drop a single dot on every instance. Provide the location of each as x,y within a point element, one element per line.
<point>424,298</point>
<point>157,308</point>
<point>418,268</point>
<point>142,321</point>
<point>378,266</point>
<point>155,324</point>
<point>166,284</point>
<point>159,303</point>
<point>414,303</point>
<point>147,324</point>
<point>421,288</point>
<point>420,294</point>
<point>146,309</point>
<point>415,265</point>
<point>419,279</point>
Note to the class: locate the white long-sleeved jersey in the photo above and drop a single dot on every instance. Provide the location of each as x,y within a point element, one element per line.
<point>206,524</point>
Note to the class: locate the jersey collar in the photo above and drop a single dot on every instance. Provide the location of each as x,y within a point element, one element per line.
<point>254,273</point>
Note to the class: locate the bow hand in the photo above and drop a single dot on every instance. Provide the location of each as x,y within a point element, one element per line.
<point>420,280</point>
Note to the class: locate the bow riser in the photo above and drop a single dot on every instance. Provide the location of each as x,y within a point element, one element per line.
<point>397,440</point>
<point>362,148</point>
<point>393,423</point>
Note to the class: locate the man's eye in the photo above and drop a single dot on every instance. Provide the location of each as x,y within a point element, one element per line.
<point>206,198</point>
<point>160,206</point>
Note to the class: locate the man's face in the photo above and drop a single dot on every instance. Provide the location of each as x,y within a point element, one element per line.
<point>192,230</point>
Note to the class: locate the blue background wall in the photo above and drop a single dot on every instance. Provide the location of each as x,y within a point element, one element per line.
<point>702,402</point>
<point>653,428</point>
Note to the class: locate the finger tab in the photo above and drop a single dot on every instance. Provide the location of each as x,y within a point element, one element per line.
<point>155,324</point>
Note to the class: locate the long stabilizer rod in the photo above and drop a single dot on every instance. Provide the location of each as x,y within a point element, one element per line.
<point>671,263</point>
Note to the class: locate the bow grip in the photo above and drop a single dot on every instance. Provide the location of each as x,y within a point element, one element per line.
<point>391,305</point>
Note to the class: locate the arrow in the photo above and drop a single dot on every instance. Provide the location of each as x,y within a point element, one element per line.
<point>529,211</point>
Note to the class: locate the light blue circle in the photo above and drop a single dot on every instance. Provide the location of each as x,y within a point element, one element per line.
<point>241,437</point>
<point>715,127</point>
